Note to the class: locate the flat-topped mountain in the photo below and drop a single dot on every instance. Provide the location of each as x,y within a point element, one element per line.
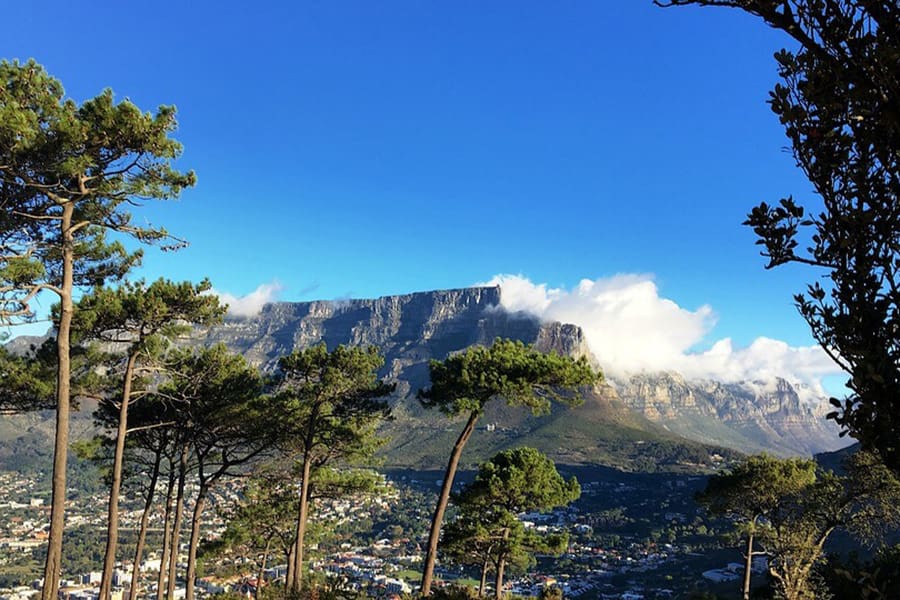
<point>411,329</point>
<point>648,421</point>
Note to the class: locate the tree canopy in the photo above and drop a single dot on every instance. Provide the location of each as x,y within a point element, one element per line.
<point>790,509</point>
<point>839,104</point>
<point>509,370</point>
<point>69,175</point>
<point>488,528</point>
<point>328,405</point>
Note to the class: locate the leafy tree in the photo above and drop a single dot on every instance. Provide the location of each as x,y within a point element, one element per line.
<point>838,102</point>
<point>751,492</point>
<point>466,382</point>
<point>140,318</point>
<point>877,579</point>
<point>225,424</point>
<point>265,518</point>
<point>149,440</point>
<point>328,405</point>
<point>792,511</point>
<point>513,482</point>
<point>25,383</point>
<point>468,540</point>
<point>68,175</point>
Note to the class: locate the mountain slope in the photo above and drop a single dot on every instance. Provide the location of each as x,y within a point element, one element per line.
<point>415,328</point>
<point>645,422</point>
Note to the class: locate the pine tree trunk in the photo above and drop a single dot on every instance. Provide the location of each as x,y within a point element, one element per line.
<point>498,592</point>
<point>112,519</point>
<point>302,517</point>
<point>197,517</point>
<point>176,525</point>
<point>167,534</point>
<point>483,583</point>
<point>142,530</point>
<point>748,562</point>
<point>53,564</point>
<point>438,518</point>
<point>262,568</point>
<point>289,576</point>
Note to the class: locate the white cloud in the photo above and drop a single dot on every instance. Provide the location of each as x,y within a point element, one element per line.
<point>631,328</point>
<point>250,304</point>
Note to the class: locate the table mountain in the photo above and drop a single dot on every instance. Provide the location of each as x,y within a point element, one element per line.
<point>622,423</point>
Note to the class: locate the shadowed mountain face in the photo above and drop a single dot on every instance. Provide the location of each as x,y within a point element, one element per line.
<point>617,425</point>
<point>409,330</point>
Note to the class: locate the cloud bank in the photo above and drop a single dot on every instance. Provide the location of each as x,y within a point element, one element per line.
<point>630,328</point>
<point>250,304</point>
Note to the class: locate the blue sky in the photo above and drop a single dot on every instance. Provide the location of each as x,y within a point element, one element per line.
<point>361,149</point>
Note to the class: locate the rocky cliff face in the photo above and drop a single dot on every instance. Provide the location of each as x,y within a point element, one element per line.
<point>412,329</point>
<point>751,416</point>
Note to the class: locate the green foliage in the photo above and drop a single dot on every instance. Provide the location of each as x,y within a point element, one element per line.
<point>551,592</point>
<point>134,312</point>
<point>26,383</point>
<point>487,529</point>
<point>70,171</point>
<point>466,382</point>
<point>454,592</point>
<point>792,510</point>
<point>265,516</point>
<point>326,408</point>
<point>876,579</point>
<point>329,403</point>
<point>521,480</point>
<point>217,403</point>
<point>837,101</point>
<point>756,487</point>
<point>508,369</point>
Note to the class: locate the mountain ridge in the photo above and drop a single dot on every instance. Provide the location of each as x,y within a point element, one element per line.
<point>648,421</point>
<point>411,329</point>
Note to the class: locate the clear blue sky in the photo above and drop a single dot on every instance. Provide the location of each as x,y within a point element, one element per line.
<point>370,148</point>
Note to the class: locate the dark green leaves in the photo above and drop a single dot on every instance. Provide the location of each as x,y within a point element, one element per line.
<point>508,369</point>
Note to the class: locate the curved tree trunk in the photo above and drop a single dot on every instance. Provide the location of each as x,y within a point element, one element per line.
<point>53,564</point>
<point>142,530</point>
<point>443,499</point>
<point>196,519</point>
<point>112,519</point>
<point>176,525</point>
<point>302,517</point>
<point>167,534</point>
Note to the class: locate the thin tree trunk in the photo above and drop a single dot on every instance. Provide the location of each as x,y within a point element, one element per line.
<point>142,530</point>
<point>262,568</point>
<point>498,593</point>
<point>167,534</point>
<point>501,565</point>
<point>483,583</point>
<point>197,517</point>
<point>301,525</point>
<point>438,518</point>
<point>176,525</point>
<point>289,576</point>
<point>53,565</point>
<point>748,562</point>
<point>112,519</point>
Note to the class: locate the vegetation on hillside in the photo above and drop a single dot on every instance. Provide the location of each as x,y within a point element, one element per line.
<point>183,423</point>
